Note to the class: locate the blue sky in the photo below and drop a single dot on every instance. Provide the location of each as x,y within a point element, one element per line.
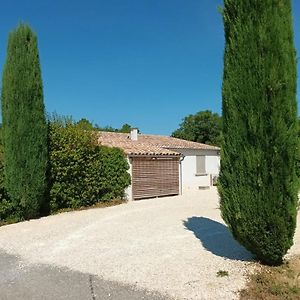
<point>148,63</point>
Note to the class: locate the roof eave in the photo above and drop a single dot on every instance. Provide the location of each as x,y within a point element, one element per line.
<point>154,155</point>
<point>190,148</point>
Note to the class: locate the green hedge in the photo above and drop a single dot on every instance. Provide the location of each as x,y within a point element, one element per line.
<point>81,172</point>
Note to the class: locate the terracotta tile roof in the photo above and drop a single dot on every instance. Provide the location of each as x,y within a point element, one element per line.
<point>123,141</point>
<point>174,143</point>
<point>148,144</point>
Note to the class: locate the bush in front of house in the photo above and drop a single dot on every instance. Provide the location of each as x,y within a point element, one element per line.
<point>83,173</point>
<point>258,181</point>
<point>112,172</point>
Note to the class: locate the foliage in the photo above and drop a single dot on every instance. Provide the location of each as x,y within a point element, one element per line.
<point>124,129</point>
<point>101,204</point>
<point>8,211</point>
<point>84,124</point>
<point>83,173</point>
<point>258,181</point>
<point>222,273</point>
<point>202,127</point>
<point>24,123</point>
<point>113,176</point>
<point>298,153</point>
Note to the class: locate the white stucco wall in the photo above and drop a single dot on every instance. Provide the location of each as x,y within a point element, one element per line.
<point>128,190</point>
<point>212,162</point>
<point>191,180</point>
<point>187,170</point>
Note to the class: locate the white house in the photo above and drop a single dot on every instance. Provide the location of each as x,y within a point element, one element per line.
<point>163,165</point>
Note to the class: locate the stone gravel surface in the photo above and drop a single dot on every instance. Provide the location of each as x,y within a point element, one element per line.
<point>172,245</point>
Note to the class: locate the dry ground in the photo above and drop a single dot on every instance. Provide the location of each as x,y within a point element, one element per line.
<point>275,283</point>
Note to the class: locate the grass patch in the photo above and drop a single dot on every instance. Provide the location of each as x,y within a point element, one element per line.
<point>100,204</point>
<point>222,273</point>
<point>275,283</point>
<point>10,221</point>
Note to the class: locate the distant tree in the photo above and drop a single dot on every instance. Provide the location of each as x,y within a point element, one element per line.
<point>125,128</point>
<point>202,127</point>
<point>84,124</point>
<point>24,123</point>
<point>258,184</point>
<point>106,128</point>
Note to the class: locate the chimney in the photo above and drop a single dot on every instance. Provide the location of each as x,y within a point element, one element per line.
<point>134,134</point>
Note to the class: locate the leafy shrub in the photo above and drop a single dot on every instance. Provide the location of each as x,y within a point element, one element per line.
<point>6,206</point>
<point>8,210</point>
<point>82,172</point>
<point>112,171</point>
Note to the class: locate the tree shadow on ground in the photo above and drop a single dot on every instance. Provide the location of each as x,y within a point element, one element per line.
<point>216,238</point>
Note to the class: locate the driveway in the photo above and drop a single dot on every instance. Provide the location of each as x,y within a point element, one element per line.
<point>19,280</point>
<point>161,248</point>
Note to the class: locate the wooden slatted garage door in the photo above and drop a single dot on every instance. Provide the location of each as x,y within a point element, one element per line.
<point>155,177</point>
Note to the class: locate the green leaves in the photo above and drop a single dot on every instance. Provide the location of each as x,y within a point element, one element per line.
<point>203,127</point>
<point>83,173</point>
<point>258,184</point>
<point>24,123</point>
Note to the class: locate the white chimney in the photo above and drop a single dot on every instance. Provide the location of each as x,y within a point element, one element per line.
<point>134,134</point>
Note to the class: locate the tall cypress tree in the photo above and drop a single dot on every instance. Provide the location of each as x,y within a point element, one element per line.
<point>24,123</point>
<point>258,182</point>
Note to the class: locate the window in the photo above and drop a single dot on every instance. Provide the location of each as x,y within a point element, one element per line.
<point>200,164</point>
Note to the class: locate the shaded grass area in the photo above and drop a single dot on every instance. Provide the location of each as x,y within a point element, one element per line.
<point>101,204</point>
<point>10,221</point>
<point>275,283</point>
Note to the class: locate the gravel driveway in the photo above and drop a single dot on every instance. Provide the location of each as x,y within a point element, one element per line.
<point>174,246</point>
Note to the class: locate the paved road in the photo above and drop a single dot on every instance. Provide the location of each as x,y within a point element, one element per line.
<point>19,281</point>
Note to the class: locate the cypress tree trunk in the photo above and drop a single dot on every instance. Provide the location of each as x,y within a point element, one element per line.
<point>24,123</point>
<point>258,182</point>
